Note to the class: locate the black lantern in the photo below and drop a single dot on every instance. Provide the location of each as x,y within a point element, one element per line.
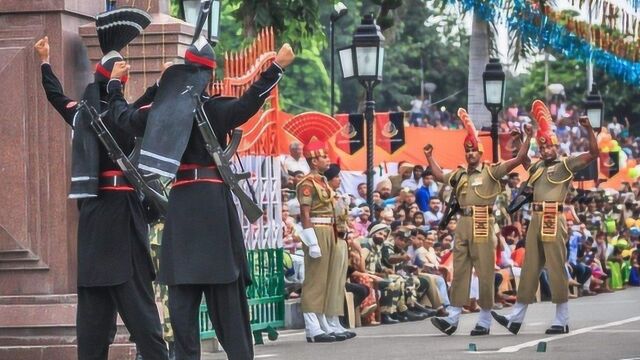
<point>363,60</point>
<point>493,82</point>
<point>339,11</point>
<point>365,57</point>
<point>594,107</point>
<point>191,11</point>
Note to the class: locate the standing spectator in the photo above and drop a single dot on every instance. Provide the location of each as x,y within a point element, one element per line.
<point>362,194</point>
<point>615,128</point>
<point>416,112</point>
<point>294,161</point>
<point>404,172</point>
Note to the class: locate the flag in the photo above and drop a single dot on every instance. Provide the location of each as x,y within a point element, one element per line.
<point>350,138</point>
<point>390,131</point>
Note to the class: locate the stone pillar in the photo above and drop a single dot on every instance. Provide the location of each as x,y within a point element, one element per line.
<point>37,221</point>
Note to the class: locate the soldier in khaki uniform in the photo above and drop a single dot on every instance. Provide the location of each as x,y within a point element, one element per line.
<point>317,216</point>
<point>476,189</point>
<point>547,233</point>
<point>338,259</point>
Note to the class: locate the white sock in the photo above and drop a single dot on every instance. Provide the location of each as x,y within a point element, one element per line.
<point>324,324</point>
<point>454,315</point>
<point>484,319</point>
<point>311,325</point>
<point>334,322</point>
<point>587,284</point>
<point>518,312</point>
<point>562,314</point>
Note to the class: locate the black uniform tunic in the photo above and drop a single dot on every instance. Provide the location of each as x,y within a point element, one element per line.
<point>202,241</point>
<point>111,227</point>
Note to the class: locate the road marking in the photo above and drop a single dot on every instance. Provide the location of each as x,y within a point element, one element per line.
<point>265,356</point>
<point>618,331</point>
<point>515,348</point>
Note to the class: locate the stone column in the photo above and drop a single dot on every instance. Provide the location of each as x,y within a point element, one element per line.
<point>37,221</point>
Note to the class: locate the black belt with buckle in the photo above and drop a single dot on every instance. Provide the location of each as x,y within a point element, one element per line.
<point>116,181</point>
<point>468,211</point>
<point>203,173</point>
<point>539,208</point>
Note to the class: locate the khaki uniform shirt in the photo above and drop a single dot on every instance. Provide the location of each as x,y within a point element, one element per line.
<point>551,181</point>
<point>478,186</point>
<point>314,191</point>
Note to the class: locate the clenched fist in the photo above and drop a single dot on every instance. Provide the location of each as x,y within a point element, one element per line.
<point>120,69</point>
<point>584,121</point>
<point>42,49</point>
<point>528,130</point>
<point>285,56</point>
<point>428,150</point>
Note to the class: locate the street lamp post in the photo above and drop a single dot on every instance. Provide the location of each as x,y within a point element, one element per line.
<point>595,108</point>
<point>363,60</point>
<point>193,9</point>
<point>339,10</point>
<point>430,87</point>
<point>493,81</point>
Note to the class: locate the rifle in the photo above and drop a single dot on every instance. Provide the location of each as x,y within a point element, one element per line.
<point>453,206</point>
<point>524,195</point>
<point>150,191</point>
<point>222,158</point>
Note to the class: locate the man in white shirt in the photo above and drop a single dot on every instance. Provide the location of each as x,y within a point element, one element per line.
<point>434,215</point>
<point>294,161</point>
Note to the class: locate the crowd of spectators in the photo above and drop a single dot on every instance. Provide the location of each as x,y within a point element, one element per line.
<point>403,237</point>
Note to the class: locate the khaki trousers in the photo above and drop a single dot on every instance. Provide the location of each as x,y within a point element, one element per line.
<point>468,254</point>
<point>316,271</point>
<point>551,254</point>
<point>337,277</point>
<point>431,294</point>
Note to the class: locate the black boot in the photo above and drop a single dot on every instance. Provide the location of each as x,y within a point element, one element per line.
<point>479,331</point>
<point>513,327</point>
<point>557,330</point>
<point>322,338</point>
<point>444,326</point>
<point>418,308</point>
<point>339,336</point>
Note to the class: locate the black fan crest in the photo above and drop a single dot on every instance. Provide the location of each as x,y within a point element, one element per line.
<point>117,28</point>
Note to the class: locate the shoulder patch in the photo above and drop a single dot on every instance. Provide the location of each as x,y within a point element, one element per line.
<point>306,191</point>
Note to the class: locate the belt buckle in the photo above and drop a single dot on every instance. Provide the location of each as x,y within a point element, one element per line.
<point>115,181</point>
<point>195,174</point>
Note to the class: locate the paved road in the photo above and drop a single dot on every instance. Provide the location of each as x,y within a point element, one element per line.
<point>605,326</point>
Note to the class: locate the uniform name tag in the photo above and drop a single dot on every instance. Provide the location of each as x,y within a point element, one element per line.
<point>552,169</point>
<point>476,182</point>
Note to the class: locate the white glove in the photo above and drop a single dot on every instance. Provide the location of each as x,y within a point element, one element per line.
<point>310,239</point>
<point>314,251</point>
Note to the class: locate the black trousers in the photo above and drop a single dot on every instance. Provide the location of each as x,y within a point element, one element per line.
<point>360,292</point>
<point>97,312</point>
<point>229,314</point>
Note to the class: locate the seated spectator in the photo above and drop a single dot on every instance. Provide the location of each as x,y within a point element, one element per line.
<point>295,161</point>
<point>433,216</point>
<point>415,181</point>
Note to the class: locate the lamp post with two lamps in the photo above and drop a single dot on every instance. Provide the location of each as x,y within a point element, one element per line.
<point>211,8</point>
<point>339,10</point>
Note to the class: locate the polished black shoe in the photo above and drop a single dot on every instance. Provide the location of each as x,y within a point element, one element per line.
<point>444,326</point>
<point>339,336</point>
<point>349,334</point>
<point>557,330</point>
<point>479,331</point>
<point>386,319</point>
<point>322,338</point>
<point>513,327</point>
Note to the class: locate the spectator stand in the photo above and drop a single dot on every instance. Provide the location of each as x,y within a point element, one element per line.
<point>258,153</point>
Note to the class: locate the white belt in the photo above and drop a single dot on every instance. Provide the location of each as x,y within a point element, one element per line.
<point>322,220</point>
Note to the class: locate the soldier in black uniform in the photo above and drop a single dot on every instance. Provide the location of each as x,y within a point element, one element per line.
<point>115,272</point>
<point>203,249</point>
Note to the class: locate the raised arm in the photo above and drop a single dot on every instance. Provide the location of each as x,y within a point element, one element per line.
<point>123,116</point>
<point>232,113</point>
<point>521,157</point>
<point>435,168</point>
<point>580,161</point>
<point>65,106</point>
